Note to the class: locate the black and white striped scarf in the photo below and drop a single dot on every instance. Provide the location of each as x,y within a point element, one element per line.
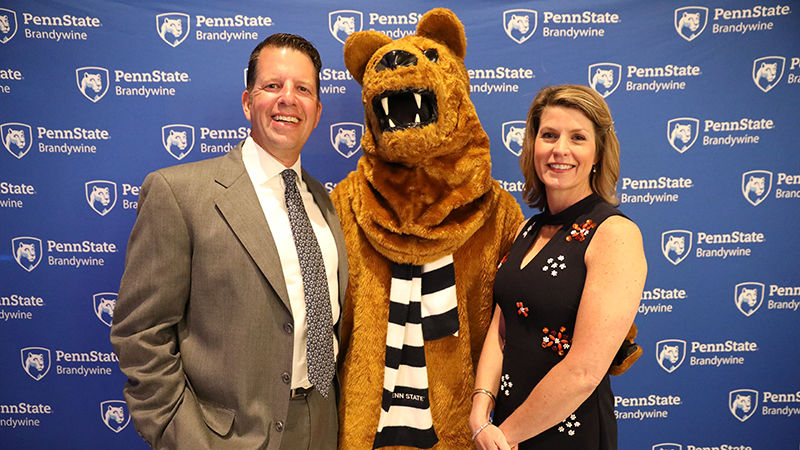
<point>422,307</point>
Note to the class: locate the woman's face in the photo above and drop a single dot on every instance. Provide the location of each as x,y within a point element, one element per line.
<point>564,152</point>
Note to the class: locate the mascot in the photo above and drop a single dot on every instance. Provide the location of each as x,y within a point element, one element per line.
<point>425,226</point>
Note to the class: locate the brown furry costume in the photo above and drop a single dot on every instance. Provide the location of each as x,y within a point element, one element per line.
<point>421,191</point>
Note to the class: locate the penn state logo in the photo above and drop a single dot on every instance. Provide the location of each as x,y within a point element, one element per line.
<point>104,303</point>
<point>682,133</point>
<point>27,251</point>
<point>676,245</point>
<point>667,446</point>
<point>178,139</point>
<point>742,403</point>
<point>92,82</point>
<point>513,135</point>
<point>35,361</point>
<point>690,21</point>
<point>748,297</point>
<point>114,413</point>
<point>344,22</point>
<point>346,138</point>
<point>520,24</point>
<point>604,77</point>
<point>8,25</point>
<point>173,27</point>
<point>767,71</point>
<point>17,138</point>
<point>101,195</point>
<point>670,354</point>
<point>756,185</point>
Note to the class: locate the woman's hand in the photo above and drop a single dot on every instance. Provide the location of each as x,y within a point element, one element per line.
<point>491,438</point>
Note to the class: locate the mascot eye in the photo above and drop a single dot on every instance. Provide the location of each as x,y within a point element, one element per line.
<point>395,59</point>
<point>431,54</point>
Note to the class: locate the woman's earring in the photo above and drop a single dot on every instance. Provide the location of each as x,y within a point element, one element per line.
<point>594,168</point>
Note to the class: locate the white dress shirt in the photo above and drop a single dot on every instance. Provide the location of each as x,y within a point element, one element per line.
<point>265,174</point>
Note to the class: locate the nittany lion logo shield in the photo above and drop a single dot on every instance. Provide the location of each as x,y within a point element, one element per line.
<point>114,413</point>
<point>8,25</point>
<point>756,185</point>
<point>104,303</point>
<point>35,361</point>
<point>690,21</point>
<point>742,403</point>
<point>676,245</point>
<point>748,297</point>
<point>17,138</point>
<point>513,135</point>
<point>682,133</point>
<point>344,22</point>
<point>27,251</point>
<point>92,82</point>
<point>667,446</point>
<point>346,137</point>
<point>767,71</point>
<point>178,139</point>
<point>670,353</point>
<point>520,24</point>
<point>101,195</point>
<point>173,27</point>
<point>604,77</point>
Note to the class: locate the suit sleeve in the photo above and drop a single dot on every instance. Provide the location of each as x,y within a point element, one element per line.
<point>152,299</point>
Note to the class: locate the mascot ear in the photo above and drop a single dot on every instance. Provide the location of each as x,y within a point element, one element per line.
<point>443,26</point>
<point>359,48</point>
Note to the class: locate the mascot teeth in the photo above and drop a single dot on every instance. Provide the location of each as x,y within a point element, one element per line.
<point>407,108</point>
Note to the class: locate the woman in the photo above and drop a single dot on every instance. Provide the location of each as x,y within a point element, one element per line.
<point>568,290</point>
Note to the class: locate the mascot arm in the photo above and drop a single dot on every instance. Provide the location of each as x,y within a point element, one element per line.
<point>152,298</point>
<point>341,203</point>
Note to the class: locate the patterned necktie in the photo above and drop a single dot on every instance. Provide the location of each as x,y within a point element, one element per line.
<point>319,343</point>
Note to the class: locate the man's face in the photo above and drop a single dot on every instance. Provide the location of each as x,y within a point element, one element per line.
<point>283,106</point>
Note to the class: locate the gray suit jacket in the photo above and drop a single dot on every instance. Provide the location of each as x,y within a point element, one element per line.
<point>203,326</point>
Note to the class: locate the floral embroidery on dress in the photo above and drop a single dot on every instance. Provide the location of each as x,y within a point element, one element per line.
<point>527,230</point>
<point>522,310</point>
<point>500,264</point>
<point>554,265</point>
<point>506,384</point>
<point>579,232</point>
<point>570,424</point>
<point>557,341</point>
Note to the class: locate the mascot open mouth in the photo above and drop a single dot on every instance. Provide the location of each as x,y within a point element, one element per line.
<point>407,108</point>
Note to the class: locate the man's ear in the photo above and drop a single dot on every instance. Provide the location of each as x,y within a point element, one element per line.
<point>246,103</point>
<point>359,48</point>
<point>442,26</point>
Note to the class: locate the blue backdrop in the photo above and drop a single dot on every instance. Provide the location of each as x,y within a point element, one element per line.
<point>95,94</point>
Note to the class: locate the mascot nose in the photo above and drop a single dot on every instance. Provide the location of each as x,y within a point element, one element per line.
<point>395,59</point>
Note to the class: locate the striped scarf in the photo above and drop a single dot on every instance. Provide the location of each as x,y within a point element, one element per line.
<point>422,307</point>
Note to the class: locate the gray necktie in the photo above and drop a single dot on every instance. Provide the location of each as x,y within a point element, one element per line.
<point>319,344</point>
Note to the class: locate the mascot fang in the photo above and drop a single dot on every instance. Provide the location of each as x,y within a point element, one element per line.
<point>426,226</point>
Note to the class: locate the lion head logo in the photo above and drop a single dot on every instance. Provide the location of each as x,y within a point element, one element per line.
<point>27,251</point>
<point>604,77</point>
<point>344,22</point>
<point>8,25</point>
<point>682,133</point>
<point>690,21</point>
<point>670,354</point>
<point>676,245</point>
<point>767,71</point>
<point>35,361</point>
<point>520,24</point>
<point>115,415</point>
<point>92,82</point>
<point>16,138</point>
<point>756,186</point>
<point>172,28</point>
<point>101,195</point>
<point>743,403</point>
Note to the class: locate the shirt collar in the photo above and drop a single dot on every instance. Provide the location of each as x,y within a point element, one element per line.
<point>262,166</point>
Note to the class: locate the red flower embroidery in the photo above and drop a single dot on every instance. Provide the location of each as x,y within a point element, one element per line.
<point>505,257</point>
<point>522,310</point>
<point>579,233</point>
<point>558,341</point>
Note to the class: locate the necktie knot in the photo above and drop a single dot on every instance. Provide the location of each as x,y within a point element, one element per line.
<point>289,176</point>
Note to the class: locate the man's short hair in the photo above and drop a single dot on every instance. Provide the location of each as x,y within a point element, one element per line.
<point>283,40</point>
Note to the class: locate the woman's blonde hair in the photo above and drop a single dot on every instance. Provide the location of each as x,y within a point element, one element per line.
<point>605,174</point>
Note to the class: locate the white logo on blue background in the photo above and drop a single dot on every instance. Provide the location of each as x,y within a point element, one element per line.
<point>173,27</point>
<point>178,139</point>
<point>17,138</point>
<point>346,137</point>
<point>520,24</point>
<point>676,245</point>
<point>690,21</point>
<point>8,25</point>
<point>114,413</point>
<point>92,82</point>
<point>756,185</point>
<point>104,303</point>
<point>767,71</point>
<point>670,354</point>
<point>27,251</point>
<point>682,132</point>
<point>605,77</point>
<point>35,361</point>
<point>513,135</point>
<point>101,195</point>
<point>743,403</point>
<point>667,446</point>
<point>748,297</point>
<point>344,22</point>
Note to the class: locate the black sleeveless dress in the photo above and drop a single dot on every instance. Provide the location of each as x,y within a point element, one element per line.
<point>540,304</point>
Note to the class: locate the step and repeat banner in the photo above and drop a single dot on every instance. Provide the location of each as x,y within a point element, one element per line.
<point>705,96</point>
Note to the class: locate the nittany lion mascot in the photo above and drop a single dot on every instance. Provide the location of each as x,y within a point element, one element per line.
<point>425,226</point>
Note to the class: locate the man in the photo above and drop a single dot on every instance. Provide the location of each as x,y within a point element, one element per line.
<point>215,308</point>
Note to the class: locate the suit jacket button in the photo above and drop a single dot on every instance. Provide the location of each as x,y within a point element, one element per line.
<point>279,426</point>
<point>286,377</point>
<point>288,328</point>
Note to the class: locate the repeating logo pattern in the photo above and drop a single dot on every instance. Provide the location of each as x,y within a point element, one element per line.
<point>676,245</point>
<point>682,133</point>
<point>346,138</point>
<point>92,82</point>
<point>173,27</point>
<point>344,22</point>
<point>178,139</point>
<point>115,414</point>
<point>104,303</point>
<point>520,24</point>
<point>690,21</point>
<point>513,135</point>
<point>17,138</point>
<point>756,185</point>
<point>27,251</point>
<point>767,71</point>
<point>8,25</point>
<point>35,361</point>
<point>748,297</point>
<point>101,195</point>
<point>670,354</point>
<point>605,77</point>
<point>742,403</point>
